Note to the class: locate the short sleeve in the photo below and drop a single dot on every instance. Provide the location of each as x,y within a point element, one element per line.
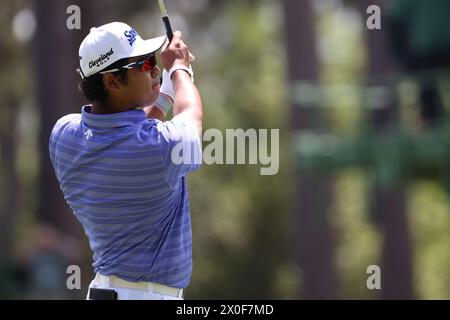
<point>181,148</point>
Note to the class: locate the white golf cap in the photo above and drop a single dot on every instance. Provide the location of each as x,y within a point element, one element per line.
<point>111,42</point>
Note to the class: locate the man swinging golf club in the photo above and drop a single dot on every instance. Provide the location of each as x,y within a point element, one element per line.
<point>115,162</point>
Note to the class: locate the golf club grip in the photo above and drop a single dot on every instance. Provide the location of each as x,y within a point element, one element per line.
<point>168,27</point>
<point>169,33</point>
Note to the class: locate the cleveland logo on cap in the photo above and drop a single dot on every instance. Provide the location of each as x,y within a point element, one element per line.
<point>102,59</point>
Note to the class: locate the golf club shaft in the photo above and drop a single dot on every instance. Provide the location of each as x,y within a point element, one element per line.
<point>165,19</point>
<point>167,25</point>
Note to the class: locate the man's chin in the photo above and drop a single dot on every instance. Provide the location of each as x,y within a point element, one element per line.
<point>148,103</point>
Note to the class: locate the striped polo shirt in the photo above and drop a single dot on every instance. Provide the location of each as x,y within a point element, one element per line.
<point>118,176</point>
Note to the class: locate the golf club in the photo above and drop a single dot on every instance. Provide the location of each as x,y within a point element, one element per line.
<point>167,25</point>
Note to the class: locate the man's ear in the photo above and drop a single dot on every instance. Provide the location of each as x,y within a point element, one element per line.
<point>110,82</point>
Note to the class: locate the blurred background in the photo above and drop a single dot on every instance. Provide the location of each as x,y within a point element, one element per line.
<point>362,107</point>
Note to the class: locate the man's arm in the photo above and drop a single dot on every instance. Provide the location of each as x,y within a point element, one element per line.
<point>187,102</point>
<point>160,112</point>
<point>154,113</point>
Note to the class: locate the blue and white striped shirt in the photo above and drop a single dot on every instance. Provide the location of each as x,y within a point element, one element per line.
<point>118,177</point>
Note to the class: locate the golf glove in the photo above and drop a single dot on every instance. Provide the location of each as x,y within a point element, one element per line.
<point>164,102</point>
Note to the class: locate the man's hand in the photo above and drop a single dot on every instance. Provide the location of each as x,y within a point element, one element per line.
<point>187,103</point>
<point>175,53</point>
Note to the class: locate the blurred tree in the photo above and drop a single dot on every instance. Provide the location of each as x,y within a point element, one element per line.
<point>56,60</point>
<point>389,196</point>
<point>313,191</point>
<point>419,37</point>
<point>12,54</point>
<point>240,248</point>
<point>8,134</point>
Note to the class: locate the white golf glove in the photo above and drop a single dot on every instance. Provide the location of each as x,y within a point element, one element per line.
<point>165,101</point>
<point>167,86</point>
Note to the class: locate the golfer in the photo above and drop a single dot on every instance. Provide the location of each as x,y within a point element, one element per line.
<point>122,167</point>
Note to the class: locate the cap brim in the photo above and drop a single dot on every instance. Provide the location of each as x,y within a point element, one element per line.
<point>148,46</point>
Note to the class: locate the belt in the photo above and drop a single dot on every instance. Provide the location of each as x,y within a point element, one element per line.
<point>147,286</point>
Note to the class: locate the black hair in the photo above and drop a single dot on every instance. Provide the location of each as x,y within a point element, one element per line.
<point>93,88</point>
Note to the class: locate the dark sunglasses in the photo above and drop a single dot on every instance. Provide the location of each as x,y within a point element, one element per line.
<point>146,64</point>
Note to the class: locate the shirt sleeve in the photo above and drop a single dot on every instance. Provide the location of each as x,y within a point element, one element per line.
<point>55,134</point>
<point>181,146</point>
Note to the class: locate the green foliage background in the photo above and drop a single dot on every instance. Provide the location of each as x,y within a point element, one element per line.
<point>244,237</point>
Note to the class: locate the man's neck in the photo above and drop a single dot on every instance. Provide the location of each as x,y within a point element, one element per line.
<point>107,108</point>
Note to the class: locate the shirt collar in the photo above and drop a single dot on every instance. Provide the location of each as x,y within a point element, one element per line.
<point>112,120</point>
